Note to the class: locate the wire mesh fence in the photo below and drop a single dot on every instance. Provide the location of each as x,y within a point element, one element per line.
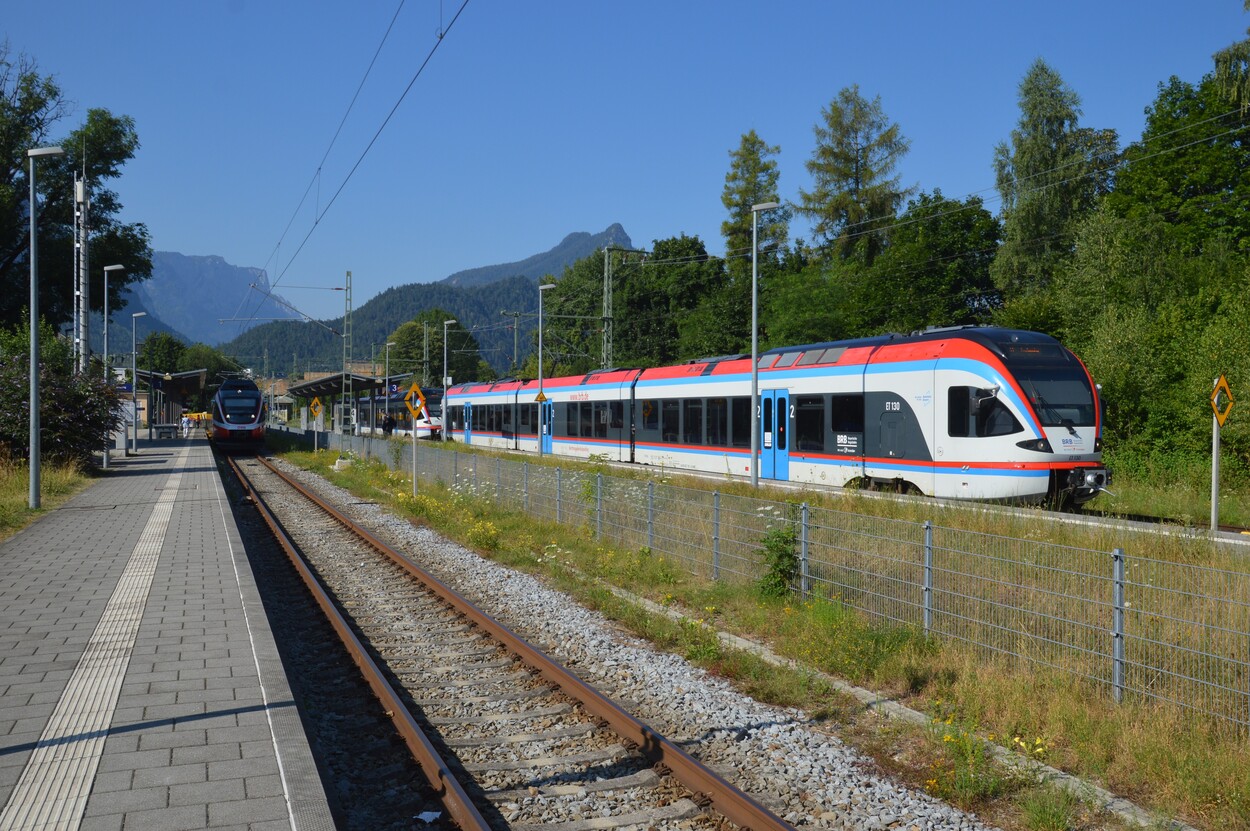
<point>1175,630</point>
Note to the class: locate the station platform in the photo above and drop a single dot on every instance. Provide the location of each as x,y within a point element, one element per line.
<point>140,685</point>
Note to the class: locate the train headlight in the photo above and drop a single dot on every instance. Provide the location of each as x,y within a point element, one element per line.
<point>1040,445</point>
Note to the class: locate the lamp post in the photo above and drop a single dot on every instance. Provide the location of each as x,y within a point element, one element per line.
<point>755,339</point>
<point>542,424</point>
<point>32,154</point>
<point>442,433</point>
<point>108,359</point>
<point>389,344</point>
<point>134,377</point>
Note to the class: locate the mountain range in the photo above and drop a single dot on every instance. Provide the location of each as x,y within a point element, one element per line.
<point>476,296</point>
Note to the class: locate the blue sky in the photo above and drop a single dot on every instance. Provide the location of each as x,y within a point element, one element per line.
<point>534,120</point>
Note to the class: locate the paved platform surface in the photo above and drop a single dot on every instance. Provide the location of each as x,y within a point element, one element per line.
<point>140,686</point>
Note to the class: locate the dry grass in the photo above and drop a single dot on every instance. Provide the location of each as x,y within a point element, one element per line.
<point>57,484</point>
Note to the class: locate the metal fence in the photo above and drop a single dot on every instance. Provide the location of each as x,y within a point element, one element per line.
<point>1169,630</point>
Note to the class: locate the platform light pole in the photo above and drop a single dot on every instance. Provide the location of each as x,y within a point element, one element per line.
<point>542,424</point>
<point>108,359</point>
<point>755,339</point>
<point>134,378</point>
<point>389,344</point>
<point>442,433</point>
<point>32,154</point>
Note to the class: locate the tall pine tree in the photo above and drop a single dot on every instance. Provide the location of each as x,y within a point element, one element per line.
<point>856,195</point>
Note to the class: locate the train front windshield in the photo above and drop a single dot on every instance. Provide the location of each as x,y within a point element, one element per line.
<point>1061,396</point>
<point>239,409</point>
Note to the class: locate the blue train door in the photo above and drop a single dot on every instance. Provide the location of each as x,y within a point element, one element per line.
<point>775,434</point>
<point>467,430</point>
<point>545,415</point>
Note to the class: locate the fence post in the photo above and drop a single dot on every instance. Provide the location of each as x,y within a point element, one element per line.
<point>455,468</point>
<point>715,535</point>
<point>558,495</point>
<point>475,476</point>
<point>525,485</point>
<point>651,516</point>
<point>928,575</point>
<point>803,573</point>
<point>1117,633</point>
<point>598,506</point>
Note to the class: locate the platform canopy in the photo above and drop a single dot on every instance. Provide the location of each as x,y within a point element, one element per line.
<point>331,386</point>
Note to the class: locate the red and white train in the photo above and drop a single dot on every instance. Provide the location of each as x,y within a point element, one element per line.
<point>238,414</point>
<point>964,413</point>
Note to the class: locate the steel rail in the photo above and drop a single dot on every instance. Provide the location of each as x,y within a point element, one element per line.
<point>454,798</point>
<point>726,798</point>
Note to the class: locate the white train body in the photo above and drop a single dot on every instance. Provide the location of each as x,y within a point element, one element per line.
<point>970,413</point>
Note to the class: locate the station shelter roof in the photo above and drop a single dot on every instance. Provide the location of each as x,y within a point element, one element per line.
<point>331,386</point>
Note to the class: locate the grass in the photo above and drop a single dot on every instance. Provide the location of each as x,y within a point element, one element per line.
<point>57,484</point>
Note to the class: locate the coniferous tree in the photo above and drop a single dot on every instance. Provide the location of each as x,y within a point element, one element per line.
<point>856,195</point>
<point>721,322</point>
<point>1049,177</point>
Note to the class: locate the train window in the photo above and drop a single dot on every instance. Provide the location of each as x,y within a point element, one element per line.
<point>717,421</point>
<point>570,419</point>
<point>740,422</point>
<point>505,419</point>
<point>783,422</point>
<point>650,411</point>
<point>528,417</point>
<point>692,420</point>
<point>586,428</point>
<point>601,419</point>
<point>670,420</point>
<point>616,415</point>
<point>809,423</point>
<point>811,357</point>
<point>787,359</point>
<point>846,413</point>
<point>1061,397</point>
<point>832,354</point>
<point>978,412</point>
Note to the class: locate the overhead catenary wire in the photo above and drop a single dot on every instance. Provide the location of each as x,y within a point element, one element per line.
<point>321,212</point>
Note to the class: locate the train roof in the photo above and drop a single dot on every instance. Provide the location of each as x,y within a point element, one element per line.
<point>1002,342</point>
<point>239,385</point>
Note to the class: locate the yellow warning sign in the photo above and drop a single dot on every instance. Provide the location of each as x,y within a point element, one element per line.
<point>415,392</point>
<point>315,407</point>
<point>540,398</point>
<point>1221,400</point>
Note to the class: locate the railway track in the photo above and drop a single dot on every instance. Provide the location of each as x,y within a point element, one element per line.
<point>509,737</point>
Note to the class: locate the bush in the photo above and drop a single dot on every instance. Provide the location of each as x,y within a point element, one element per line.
<point>77,412</point>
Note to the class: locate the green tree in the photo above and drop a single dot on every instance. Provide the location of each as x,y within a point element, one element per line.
<point>464,360</point>
<point>856,195</point>
<point>655,301</point>
<point>160,352</point>
<point>77,411</point>
<point>721,322</point>
<point>573,320</point>
<point>30,107</point>
<point>1049,177</point>
<point>1232,69</point>
<point>935,271</point>
<point>1191,167</point>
